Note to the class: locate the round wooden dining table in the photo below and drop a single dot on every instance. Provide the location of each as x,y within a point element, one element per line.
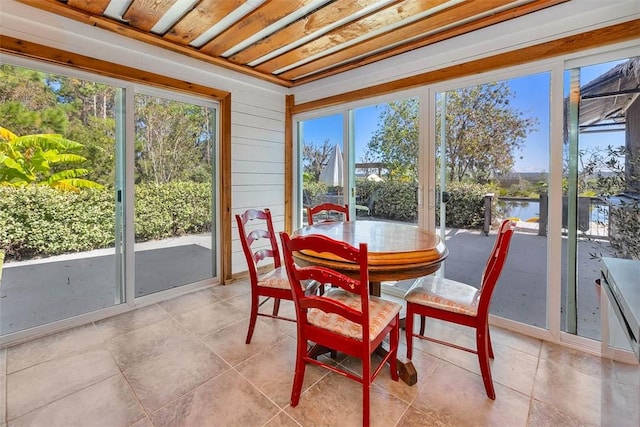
<point>396,251</point>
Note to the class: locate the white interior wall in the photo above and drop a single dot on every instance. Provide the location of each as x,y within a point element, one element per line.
<point>257,131</point>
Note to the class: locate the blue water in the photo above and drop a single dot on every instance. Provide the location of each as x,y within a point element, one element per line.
<point>520,209</point>
<point>526,210</point>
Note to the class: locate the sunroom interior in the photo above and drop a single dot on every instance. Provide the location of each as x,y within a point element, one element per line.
<point>270,79</point>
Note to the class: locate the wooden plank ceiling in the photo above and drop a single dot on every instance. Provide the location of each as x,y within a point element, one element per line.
<point>291,42</point>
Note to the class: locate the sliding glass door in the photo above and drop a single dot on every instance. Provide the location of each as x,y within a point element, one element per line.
<point>385,141</point>
<point>322,172</point>
<point>601,200</point>
<point>555,151</point>
<point>107,194</point>
<point>61,196</point>
<point>174,209</point>
<point>492,163</point>
<point>366,156</point>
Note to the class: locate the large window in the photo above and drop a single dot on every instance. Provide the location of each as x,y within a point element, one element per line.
<point>365,156</point>
<point>601,198</point>
<point>492,163</point>
<point>91,170</point>
<point>560,160</point>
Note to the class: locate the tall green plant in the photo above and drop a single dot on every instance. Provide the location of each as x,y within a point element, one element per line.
<point>31,159</point>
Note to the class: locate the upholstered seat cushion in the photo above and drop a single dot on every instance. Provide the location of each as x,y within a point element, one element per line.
<point>381,312</point>
<point>444,294</point>
<point>276,278</point>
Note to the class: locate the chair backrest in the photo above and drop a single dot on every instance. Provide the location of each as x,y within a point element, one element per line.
<point>253,226</point>
<point>495,262</point>
<point>327,208</point>
<point>301,274</point>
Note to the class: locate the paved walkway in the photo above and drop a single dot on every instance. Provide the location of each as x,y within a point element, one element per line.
<point>521,293</point>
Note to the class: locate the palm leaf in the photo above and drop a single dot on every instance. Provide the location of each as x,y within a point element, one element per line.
<point>40,162</point>
<point>67,158</point>
<point>6,134</point>
<point>46,141</point>
<point>13,169</point>
<point>75,184</point>
<point>67,174</point>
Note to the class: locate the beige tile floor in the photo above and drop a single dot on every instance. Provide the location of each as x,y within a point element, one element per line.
<point>183,362</point>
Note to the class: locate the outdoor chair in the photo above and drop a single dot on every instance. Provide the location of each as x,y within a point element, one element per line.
<point>337,319</point>
<point>459,303</point>
<point>254,227</point>
<point>327,212</point>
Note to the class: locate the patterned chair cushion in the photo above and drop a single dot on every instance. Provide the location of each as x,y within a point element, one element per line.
<point>276,278</point>
<point>444,294</point>
<point>381,312</point>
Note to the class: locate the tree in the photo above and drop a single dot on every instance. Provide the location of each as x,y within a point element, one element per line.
<point>172,140</point>
<point>30,159</point>
<point>482,132</point>
<point>33,102</point>
<point>395,142</point>
<point>314,158</point>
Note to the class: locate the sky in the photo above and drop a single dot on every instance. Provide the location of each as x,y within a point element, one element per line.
<point>531,97</point>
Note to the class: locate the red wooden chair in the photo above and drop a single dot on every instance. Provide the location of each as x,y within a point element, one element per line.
<point>459,303</point>
<point>254,227</point>
<point>328,210</point>
<point>337,319</point>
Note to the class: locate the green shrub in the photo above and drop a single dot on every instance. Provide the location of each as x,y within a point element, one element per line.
<point>312,190</point>
<point>172,209</point>
<point>624,221</point>
<point>465,208</point>
<point>395,200</point>
<point>38,220</point>
<point>41,221</point>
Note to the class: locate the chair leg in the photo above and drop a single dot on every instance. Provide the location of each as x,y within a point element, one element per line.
<point>252,318</point>
<point>395,340</point>
<point>366,389</point>
<point>298,376</point>
<point>408,330</point>
<point>482,343</point>
<point>276,306</point>
<point>422,322</point>
<point>490,346</point>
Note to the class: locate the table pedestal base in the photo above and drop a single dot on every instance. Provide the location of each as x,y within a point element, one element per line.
<point>406,370</point>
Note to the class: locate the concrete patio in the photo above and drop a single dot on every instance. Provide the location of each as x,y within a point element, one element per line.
<point>33,293</point>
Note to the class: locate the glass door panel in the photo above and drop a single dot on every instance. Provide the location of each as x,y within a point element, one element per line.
<point>323,168</point>
<point>601,198</point>
<point>174,210</point>
<point>492,162</point>
<point>385,139</point>
<point>58,198</point>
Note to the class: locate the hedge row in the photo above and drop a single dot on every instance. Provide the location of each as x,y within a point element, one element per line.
<point>40,221</point>
<point>397,200</point>
<point>465,208</point>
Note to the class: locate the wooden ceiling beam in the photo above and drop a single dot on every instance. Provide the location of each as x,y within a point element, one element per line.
<point>62,9</point>
<point>266,14</point>
<point>326,63</point>
<point>376,21</point>
<point>618,33</point>
<point>93,6</point>
<point>205,15</point>
<point>144,14</point>
<point>301,28</point>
